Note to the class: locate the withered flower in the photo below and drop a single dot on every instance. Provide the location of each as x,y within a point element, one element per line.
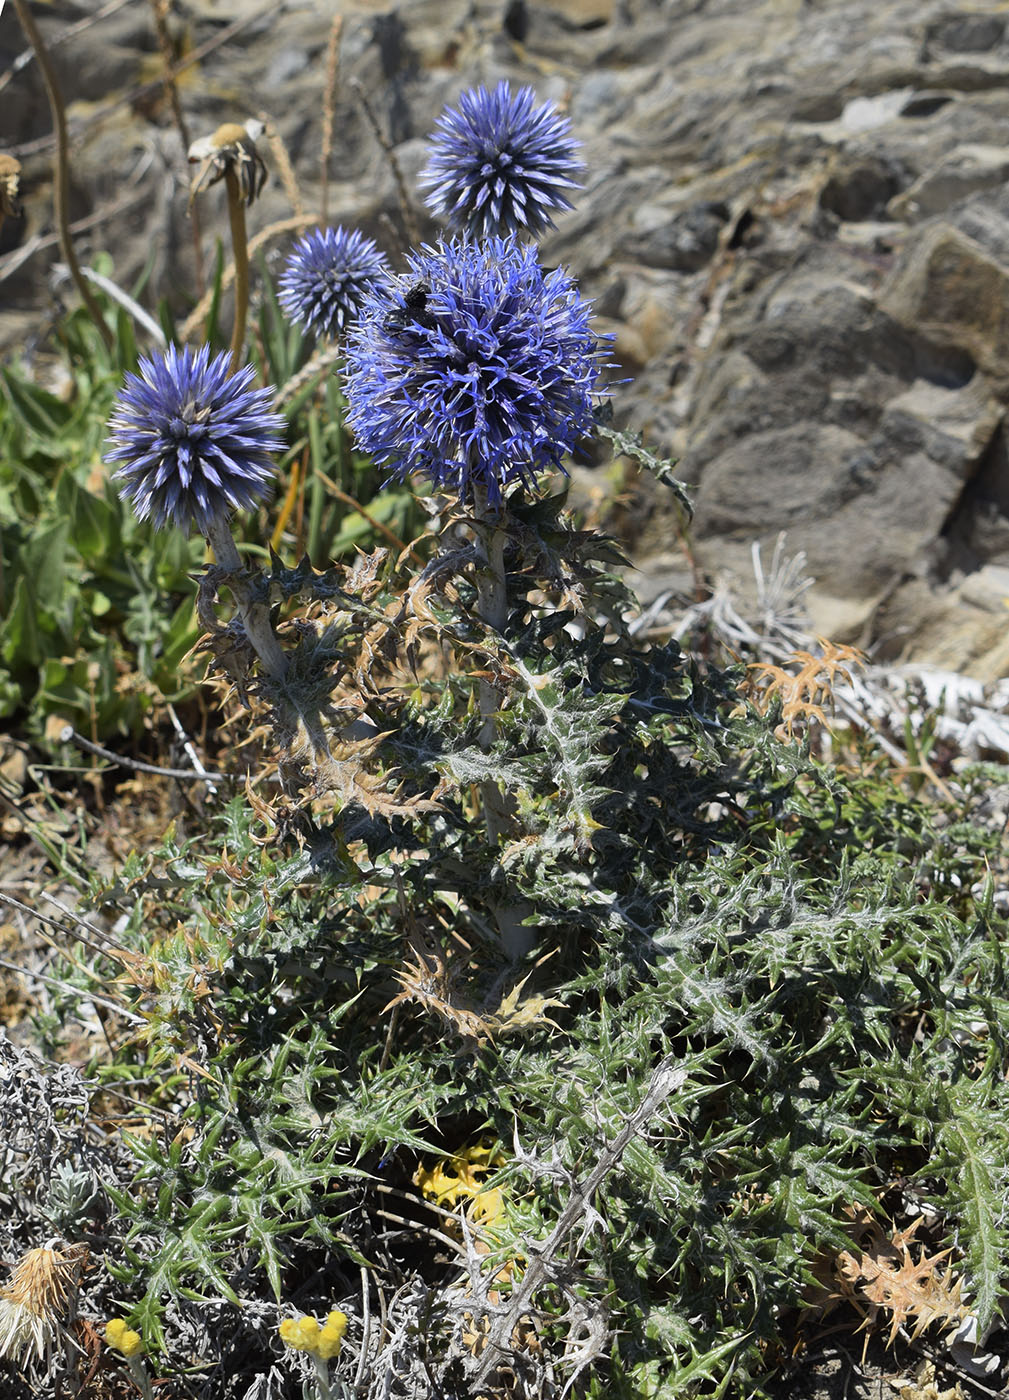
<point>231,147</point>
<point>10,175</point>
<point>38,1298</point>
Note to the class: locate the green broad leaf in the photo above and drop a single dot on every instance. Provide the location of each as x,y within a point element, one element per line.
<point>41,413</point>
<point>126,341</point>
<point>10,696</point>
<point>43,561</point>
<point>93,525</point>
<point>21,644</point>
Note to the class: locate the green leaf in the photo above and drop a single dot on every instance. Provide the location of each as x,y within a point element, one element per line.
<point>40,412</point>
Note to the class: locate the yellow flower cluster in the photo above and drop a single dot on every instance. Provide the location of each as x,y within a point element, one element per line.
<point>305,1334</point>
<point>118,1335</point>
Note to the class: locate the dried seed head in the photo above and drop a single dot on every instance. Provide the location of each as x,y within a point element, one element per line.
<point>10,175</point>
<point>38,1298</point>
<point>230,147</point>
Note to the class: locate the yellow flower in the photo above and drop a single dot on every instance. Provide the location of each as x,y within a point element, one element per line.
<point>118,1335</point>
<point>331,1336</point>
<point>300,1333</point>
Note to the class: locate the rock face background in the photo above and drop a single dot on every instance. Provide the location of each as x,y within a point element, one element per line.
<point>796,223</point>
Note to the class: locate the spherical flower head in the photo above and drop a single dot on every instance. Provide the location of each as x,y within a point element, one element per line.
<point>500,163</point>
<point>300,1333</point>
<point>120,1336</point>
<point>305,1334</point>
<point>331,1335</point>
<point>194,439</point>
<point>478,372</point>
<point>327,276</point>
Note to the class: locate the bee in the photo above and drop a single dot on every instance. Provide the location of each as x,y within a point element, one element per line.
<point>413,313</point>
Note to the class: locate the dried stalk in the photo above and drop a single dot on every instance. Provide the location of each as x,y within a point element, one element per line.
<point>240,249</point>
<point>61,169</point>
<point>329,109</point>
<point>282,160</point>
<point>412,230</point>
<point>161,10</point>
<point>666,1079</point>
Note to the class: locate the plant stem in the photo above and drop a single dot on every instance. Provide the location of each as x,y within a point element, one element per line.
<point>255,615</point>
<point>240,249</point>
<point>61,169</point>
<point>138,1371</point>
<point>322,1377</point>
<point>161,10</point>
<point>316,495</point>
<point>492,608</point>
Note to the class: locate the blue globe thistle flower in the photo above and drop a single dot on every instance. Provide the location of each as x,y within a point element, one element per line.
<point>500,164</point>
<point>326,278</point>
<point>194,439</point>
<point>479,374</point>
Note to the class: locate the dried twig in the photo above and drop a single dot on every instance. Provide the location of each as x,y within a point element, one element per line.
<point>69,735</point>
<point>412,230</point>
<point>17,257</point>
<point>61,168</point>
<point>142,90</point>
<point>23,59</point>
<point>161,10</point>
<point>667,1077</point>
<point>329,108</point>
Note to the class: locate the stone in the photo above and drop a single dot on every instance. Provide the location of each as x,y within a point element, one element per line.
<point>965,171</point>
<point>946,287</point>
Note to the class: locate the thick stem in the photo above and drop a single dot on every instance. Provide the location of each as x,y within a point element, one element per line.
<point>255,616</point>
<point>240,249</point>
<point>141,1379</point>
<point>322,1378</point>
<point>492,608</point>
<point>61,169</point>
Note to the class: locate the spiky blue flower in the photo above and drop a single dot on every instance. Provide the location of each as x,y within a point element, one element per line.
<point>500,164</point>
<point>194,439</point>
<point>477,371</point>
<point>326,278</point>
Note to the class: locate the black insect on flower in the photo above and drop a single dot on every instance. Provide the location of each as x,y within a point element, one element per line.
<point>413,312</point>
<point>485,380</point>
<point>194,440</point>
<point>499,163</point>
<point>327,276</point>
